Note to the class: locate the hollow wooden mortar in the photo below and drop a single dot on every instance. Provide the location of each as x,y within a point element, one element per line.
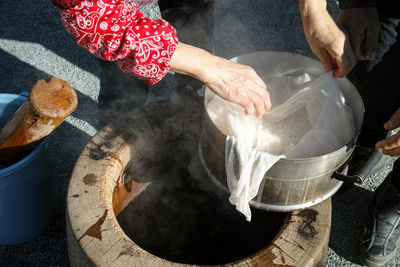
<point>97,193</point>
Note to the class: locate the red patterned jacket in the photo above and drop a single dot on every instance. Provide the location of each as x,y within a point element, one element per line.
<point>113,30</point>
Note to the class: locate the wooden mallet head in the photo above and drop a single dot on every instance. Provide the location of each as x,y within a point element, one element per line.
<point>50,102</point>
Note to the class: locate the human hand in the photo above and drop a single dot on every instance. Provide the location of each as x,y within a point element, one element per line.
<point>238,84</point>
<point>234,82</point>
<point>326,40</point>
<point>391,145</point>
<point>362,26</point>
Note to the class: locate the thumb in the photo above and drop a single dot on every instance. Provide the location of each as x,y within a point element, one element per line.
<point>326,60</point>
<point>393,122</point>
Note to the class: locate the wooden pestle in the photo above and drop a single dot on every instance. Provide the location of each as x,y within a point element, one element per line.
<point>50,102</point>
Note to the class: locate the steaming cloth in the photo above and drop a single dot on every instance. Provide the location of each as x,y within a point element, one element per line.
<point>327,125</point>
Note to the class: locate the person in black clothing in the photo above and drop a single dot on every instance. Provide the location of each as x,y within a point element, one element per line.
<point>373,28</point>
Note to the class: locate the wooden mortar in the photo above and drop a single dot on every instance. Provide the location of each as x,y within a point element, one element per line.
<point>99,190</point>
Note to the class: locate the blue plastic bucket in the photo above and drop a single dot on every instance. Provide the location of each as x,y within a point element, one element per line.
<point>26,187</point>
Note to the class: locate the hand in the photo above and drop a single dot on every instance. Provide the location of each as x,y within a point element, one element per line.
<point>391,145</point>
<point>326,40</point>
<point>234,82</point>
<point>363,26</point>
<point>238,84</point>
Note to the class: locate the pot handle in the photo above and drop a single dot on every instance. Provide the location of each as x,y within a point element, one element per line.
<point>362,171</point>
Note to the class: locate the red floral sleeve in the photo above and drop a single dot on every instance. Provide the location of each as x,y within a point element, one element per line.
<point>113,30</point>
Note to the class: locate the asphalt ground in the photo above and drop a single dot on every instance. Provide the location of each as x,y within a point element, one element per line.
<point>34,45</point>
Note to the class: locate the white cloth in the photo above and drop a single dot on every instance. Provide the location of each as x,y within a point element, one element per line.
<point>330,123</point>
<point>245,171</point>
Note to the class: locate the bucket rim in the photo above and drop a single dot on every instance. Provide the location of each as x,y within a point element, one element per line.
<point>23,162</point>
<point>20,96</point>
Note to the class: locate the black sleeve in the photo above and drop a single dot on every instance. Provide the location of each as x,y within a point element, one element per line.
<point>346,4</point>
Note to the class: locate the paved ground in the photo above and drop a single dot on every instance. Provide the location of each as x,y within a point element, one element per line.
<point>33,45</point>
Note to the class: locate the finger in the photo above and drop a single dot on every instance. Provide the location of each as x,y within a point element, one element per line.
<point>257,79</point>
<point>395,152</point>
<point>371,42</point>
<point>345,63</point>
<point>267,102</point>
<point>244,95</point>
<point>265,98</point>
<point>389,143</point>
<point>341,70</point>
<point>258,103</point>
<point>326,60</point>
<point>264,95</point>
<point>260,88</point>
<point>249,109</point>
<point>393,122</point>
<point>245,102</point>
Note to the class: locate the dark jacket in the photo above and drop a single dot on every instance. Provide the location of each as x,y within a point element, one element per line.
<point>386,8</point>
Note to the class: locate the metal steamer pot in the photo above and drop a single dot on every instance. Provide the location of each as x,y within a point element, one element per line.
<point>290,184</point>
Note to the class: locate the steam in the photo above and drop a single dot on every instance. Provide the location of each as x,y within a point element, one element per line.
<point>182,216</point>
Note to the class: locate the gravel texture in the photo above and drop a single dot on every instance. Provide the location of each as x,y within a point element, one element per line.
<point>34,45</point>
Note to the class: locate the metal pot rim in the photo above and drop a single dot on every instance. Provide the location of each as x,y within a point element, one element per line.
<point>349,145</point>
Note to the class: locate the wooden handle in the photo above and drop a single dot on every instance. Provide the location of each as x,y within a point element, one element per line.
<point>49,103</point>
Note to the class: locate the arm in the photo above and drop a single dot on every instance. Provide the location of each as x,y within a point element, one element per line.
<point>115,31</point>
<point>326,40</point>
<point>234,82</point>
